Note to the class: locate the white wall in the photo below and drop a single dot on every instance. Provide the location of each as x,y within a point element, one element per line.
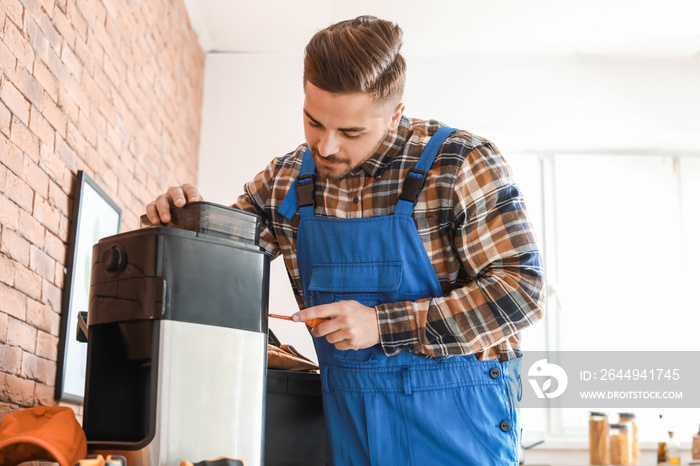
<point>252,113</point>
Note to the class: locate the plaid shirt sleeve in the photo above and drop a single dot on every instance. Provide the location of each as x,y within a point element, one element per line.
<point>500,288</point>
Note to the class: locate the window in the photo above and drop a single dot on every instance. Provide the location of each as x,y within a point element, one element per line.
<point>619,238</point>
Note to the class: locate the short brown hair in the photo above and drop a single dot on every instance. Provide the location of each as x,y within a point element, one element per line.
<point>357,55</point>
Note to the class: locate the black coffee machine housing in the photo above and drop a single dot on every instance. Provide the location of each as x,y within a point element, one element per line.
<point>177,339</point>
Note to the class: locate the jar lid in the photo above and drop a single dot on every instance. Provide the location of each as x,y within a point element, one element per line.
<point>598,413</point>
<point>619,426</point>
<point>632,415</point>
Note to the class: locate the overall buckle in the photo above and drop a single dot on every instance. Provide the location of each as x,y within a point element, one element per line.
<point>306,189</point>
<point>413,185</point>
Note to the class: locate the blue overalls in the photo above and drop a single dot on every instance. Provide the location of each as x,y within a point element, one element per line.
<point>405,409</point>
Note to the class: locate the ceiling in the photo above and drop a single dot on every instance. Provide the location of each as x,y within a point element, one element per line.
<point>619,29</point>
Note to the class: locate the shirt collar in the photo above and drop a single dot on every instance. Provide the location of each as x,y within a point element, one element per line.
<point>390,148</point>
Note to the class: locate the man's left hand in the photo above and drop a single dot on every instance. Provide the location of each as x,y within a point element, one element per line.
<point>351,326</point>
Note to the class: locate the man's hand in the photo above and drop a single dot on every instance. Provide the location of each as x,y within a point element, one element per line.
<point>159,210</point>
<point>351,326</point>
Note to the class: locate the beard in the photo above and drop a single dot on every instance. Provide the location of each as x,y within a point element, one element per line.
<point>343,165</point>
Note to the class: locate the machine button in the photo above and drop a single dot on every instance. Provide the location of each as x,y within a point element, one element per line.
<point>494,373</point>
<point>505,426</point>
<point>113,259</point>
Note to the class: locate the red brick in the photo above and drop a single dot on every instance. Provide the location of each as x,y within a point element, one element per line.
<point>52,35</point>
<point>23,138</point>
<point>51,295</point>
<point>39,369</point>
<point>63,228</point>
<point>30,7</point>
<point>46,346</point>
<point>90,57</point>
<point>18,45</point>
<point>22,335</point>
<point>64,27</point>
<point>42,263</point>
<point>76,140</point>
<point>47,6</point>
<point>58,198</point>
<point>76,18</point>
<point>29,86</point>
<point>19,191</point>
<point>40,316</point>
<point>43,395</point>
<point>15,101</point>
<point>55,116</point>
<point>55,248</point>
<point>14,11</point>
<point>3,327</point>
<point>7,272</point>
<point>71,60</point>
<point>46,214</point>
<point>28,282</point>
<point>30,228</point>
<point>15,247</point>
<point>66,100</point>
<point>6,408</point>
<point>55,167</point>
<point>46,78</point>
<point>37,179</point>
<point>5,119</point>
<point>12,156</point>
<point>87,129</point>
<point>58,68</point>
<point>36,38</point>
<point>8,61</point>
<point>41,127</point>
<point>64,152</point>
<point>10,358</point>
<point>9,214</point>
<point>18,390</point>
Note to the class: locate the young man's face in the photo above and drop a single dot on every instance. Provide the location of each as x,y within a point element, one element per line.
<point>344,130</point>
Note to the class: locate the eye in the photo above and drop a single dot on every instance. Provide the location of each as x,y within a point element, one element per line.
<point>350,136</point>
<point>312,124</point>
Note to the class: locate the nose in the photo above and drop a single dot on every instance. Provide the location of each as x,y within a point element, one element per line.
<point>328,144</point>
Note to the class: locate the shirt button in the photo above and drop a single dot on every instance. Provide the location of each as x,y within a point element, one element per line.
<point>356,200</point>
<point>505,426</point>
<point>494,373</point>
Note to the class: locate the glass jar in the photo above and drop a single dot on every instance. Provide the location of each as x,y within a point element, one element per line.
<point>598,438</point>
<point>636,448</point>
<point>621,443</point>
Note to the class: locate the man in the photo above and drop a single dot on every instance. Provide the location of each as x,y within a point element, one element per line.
<point>412,240</point>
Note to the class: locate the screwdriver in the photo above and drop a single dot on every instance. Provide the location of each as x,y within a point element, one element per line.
<point>311,323</point>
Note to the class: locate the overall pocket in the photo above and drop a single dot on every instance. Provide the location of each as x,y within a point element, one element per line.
<point>369,283</point>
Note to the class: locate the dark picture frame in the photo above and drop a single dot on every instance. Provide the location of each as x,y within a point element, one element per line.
<point>94,216</point>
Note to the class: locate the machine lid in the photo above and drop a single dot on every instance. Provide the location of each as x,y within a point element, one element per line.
<point>212,219</point>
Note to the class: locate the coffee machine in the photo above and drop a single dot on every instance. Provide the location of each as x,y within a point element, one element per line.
<point>177,340</point>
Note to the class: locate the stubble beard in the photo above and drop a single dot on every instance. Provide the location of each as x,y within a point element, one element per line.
<point>324,174</point>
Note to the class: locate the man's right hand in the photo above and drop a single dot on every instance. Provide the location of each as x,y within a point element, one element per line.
<point>159,210</point>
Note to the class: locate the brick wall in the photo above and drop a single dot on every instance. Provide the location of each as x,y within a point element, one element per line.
<point>111,87</point>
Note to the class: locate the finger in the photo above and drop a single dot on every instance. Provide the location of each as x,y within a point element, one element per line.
<point>323,311</point>
<point>323,327</point>
<point>191,193</point>
<point>177,196</point>
<point>152,213</point>
<point>163,207</point>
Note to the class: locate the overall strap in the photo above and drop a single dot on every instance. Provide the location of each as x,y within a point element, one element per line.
<point>416,176</point>
<point>301,194</point>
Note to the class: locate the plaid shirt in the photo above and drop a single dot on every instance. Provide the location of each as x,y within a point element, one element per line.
<point>471,218</point>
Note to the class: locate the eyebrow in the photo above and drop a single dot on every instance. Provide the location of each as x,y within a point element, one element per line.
<point>354,129</point>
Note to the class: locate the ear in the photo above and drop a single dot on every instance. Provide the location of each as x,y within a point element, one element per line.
<point>396,116</point>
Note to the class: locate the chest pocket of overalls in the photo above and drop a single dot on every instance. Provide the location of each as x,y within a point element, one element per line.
<point>369,283</point>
